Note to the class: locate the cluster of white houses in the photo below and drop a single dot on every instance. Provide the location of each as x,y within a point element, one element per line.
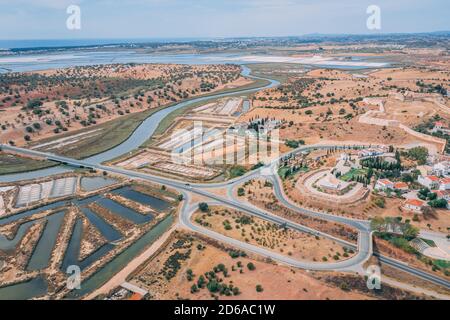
<point>441,186</point>
<point>386,184</point>
<point>371,152</point>
<point>434,182</point>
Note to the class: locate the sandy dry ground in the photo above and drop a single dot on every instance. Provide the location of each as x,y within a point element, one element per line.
<point>299,245</point>
<point>335,109</point>
<point>295,284</point>
<point>178,82</point>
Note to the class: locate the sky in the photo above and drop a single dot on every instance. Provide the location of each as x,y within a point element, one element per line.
<point>119,19</point>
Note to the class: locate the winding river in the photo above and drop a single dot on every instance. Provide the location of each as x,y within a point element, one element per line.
<point>38,286</point>
<point>140,135</point>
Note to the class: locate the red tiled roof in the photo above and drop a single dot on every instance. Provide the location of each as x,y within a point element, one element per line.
<point>445,180</point>
<point>433,178</point>
<point>415,202</point>
<point>135,296</point>
<point>400,185</point>
<point>385,181</point>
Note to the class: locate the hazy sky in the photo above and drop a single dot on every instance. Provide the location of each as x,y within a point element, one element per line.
<point>46,19</point>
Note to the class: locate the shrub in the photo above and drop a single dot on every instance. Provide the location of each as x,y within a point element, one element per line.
<point>380,202</point>
<point>203,206</point>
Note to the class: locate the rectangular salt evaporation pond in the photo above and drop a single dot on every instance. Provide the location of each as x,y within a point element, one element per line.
<point>63,187</point>
<point>95,183</point>
<point>40,258</point>
<point>145,199</point>
<point>123,211</point>
<point>25,290</point>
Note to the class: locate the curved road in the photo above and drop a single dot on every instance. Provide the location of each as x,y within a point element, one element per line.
<point>353,264</point>
<point>364,241</point>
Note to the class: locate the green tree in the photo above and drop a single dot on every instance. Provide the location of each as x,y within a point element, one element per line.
<point>419,154</point>
<point>213,286</point>
<point>203,206</point>
<point>438,203</point>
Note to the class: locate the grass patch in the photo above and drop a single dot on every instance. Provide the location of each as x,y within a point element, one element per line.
<point>429,242</point>
<point>113,133</point>
<point>442,264</point>
<point>398,241</point>
<point>353,173</point>
<point>237,171</point>
<point>12,164</point>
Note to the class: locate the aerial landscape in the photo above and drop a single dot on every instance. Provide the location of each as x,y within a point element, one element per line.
<point>225,167</point>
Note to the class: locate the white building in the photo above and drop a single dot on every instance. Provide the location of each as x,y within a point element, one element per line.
<point>443,194</point>
<point>401,186</point>
<point>444,184</point>
<point>372,152</point>
<point>431,182</point>
<point>440,127</point>
<point>384,184</point>
<point>441,168</point>
<point>414,205</point>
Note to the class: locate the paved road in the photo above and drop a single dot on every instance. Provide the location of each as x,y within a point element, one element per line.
<point>345,265</point>
<point>363,249</point>
<point>364,243</point>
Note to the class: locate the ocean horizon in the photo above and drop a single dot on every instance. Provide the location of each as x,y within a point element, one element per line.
<point>56,43</point>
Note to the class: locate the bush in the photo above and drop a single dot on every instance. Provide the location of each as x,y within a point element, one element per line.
<point>251,266</point>
<point>259,288</point>
<point>380,202</point>
<point>203,206</point>
<point>438,203</point>
<point>34,103</point>
<point>213,286</point>
<point>201,281</point>
<point>419,154</point>
<point>294,143</point>
<point>237,171</point>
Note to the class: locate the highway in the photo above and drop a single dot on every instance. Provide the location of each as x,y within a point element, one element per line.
<point>355,263</point>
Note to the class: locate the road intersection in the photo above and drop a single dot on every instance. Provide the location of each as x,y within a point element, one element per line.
<point>354,264</point>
